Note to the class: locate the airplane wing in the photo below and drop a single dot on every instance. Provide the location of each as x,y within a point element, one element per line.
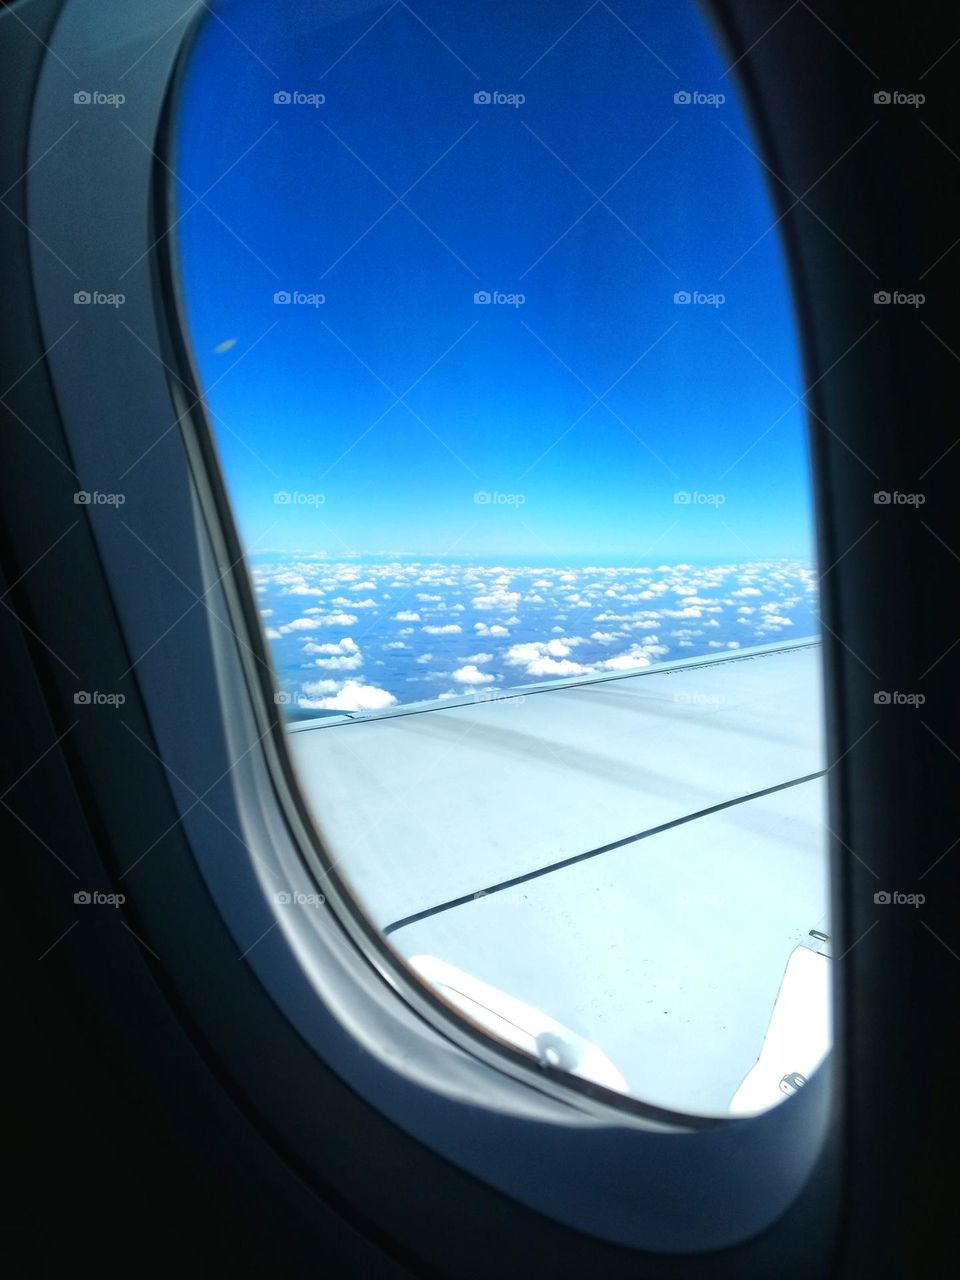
<point>635,856</point>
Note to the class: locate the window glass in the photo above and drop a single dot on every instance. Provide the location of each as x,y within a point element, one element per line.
<point>493,326</point>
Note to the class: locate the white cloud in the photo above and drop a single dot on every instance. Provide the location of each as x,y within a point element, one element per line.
<point>300,624</point>
<point>317,688</point>
<point>559,648</point>
<point>406,615</point>
<point>497,599</point>
<point>774,622</point>
<point>518,654</point>
<point>359,697</point>
<point>343,655</point>
<point>637,656</point>
<point>338,619</point>
<point>450,629</point>
<point>471,674</point>
<point>346,645</point>
<point>556,667</point>
<point>353,663</point>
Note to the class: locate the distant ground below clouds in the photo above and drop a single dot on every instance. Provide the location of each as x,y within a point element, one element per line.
<point>368,634</point>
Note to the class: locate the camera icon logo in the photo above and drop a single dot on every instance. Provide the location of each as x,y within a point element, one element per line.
<point>483,98</point>
<point>81,498</point>
<point>282,699</point>
<point>81,698</point>
<point>682,98</point>
<point>882,698</point>
<point>283,498</point>
<point>482,298</point>
<point>82,898</point>
<point>282,298</point>
<point>882,898</point>
<point>882,98</point>
<point>282,899</point>
<point>682,499</point>
<point>882,299</point>
<point>682,298</point>
<point>281,97</point>
<point>82,98</point>
<point>482,497</point>
<point>882,498</point>
<point>82,298</point>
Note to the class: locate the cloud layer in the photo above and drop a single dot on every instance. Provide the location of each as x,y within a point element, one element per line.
<point>365,635</point>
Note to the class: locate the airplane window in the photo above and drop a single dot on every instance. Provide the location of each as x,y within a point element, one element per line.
<point>492,322</point>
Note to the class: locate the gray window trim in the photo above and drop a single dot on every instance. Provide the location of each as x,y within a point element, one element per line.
<point>634,1177</point>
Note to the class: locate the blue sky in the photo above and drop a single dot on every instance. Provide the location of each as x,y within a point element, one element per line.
<point>592,404</point>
